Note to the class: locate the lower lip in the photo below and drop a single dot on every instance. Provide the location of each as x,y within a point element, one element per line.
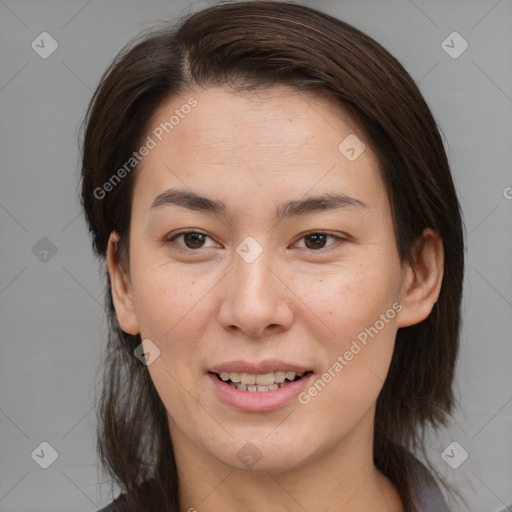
<point>258,401</point>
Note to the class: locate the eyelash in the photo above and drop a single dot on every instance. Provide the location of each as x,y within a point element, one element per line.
<point>170,241</point>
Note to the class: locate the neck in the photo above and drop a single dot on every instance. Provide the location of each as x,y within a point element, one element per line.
<point>344,477</point>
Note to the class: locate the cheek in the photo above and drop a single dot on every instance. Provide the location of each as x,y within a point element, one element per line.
<point>360,309</point>
<point>168,299</point>
<point>172,307</point>
<point>351,297</point>
<point>353,375</point>
<point>169,306</point>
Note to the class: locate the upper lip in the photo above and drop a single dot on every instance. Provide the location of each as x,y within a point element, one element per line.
<point>259,368</point>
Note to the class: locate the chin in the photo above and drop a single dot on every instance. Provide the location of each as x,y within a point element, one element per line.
<point>267,460</point>
<point>260,453</point>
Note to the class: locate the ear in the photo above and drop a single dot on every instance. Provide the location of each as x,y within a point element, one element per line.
<point>122,294</point>
<point>422,281</point>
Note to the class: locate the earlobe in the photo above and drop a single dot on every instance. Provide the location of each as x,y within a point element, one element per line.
<point>121,288</point>
<point>422,281</point>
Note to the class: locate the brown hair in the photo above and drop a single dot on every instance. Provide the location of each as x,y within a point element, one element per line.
<point>250,45</point>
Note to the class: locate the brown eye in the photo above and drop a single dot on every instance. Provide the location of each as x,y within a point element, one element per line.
<point>192,240</point>
<point>317,241</point>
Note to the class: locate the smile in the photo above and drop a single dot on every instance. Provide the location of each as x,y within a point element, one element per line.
<point>259,382</point>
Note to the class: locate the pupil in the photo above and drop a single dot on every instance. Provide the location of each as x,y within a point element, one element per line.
<point>196,238</point>
<point>318,237</point>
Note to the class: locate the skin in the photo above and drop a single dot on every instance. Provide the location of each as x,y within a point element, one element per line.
<point>254,150</point>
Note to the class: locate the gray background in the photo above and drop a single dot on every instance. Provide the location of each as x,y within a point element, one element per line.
<point>51,315</point>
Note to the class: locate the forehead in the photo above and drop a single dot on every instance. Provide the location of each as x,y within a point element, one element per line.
<point>227,119</point>
<point>260,143</point>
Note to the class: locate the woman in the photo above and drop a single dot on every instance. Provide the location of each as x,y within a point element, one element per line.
<point>284,251</point>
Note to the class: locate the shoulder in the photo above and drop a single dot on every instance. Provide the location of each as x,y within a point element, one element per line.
<point>427,493</point>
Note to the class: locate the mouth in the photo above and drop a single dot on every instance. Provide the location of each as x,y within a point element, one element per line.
<point>263,386</point>
<point>261,382</point>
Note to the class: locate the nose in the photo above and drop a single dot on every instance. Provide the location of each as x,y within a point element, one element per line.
<point>255,299</point>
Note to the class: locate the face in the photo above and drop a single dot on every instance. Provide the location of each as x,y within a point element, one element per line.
<point>271,280</point>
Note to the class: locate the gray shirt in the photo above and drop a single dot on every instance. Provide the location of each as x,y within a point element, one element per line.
<point>429,495</point>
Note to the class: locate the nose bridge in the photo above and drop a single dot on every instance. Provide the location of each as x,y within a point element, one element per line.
<point>255,298</point>
<point>253,277</point>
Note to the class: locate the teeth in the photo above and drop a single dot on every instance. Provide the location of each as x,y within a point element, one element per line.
<point>260,382</point>
<point>247,378</point>
<point>265,379</point>
<point>262,379</point>
<point>270,387</point>
<point>279,376</point>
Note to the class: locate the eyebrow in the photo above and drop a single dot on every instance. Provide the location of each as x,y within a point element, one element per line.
<point>315,204</point>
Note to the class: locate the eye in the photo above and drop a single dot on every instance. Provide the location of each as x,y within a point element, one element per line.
<point>317,240</point>
<point>192,240</point>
